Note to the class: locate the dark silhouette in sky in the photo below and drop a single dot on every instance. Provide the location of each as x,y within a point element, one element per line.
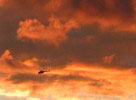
<point>43,71</point>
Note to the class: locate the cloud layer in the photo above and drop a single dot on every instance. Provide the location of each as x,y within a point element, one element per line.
<point>89,46</point>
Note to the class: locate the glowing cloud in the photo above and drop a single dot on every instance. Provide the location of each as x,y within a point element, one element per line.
<point>88,45</point>
<point>55,33</point>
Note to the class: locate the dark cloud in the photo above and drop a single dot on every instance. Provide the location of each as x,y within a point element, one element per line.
<point>20,78</point>
<point>125,8</point>
<point>28,77</point>
<point>104,44</point>
<point>75,48</point>
<point>106,29</point>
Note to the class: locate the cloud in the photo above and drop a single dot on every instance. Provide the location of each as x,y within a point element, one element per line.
<point>87,45</point>
<point>9,64</point>
<point>29,77</point>
<point>108,59</point>
<point>98,34</point>
<point>6,59</point>
<point>6,56</point>
<point>55,33</point>
<point>88,78</point>
<point>107,14</point>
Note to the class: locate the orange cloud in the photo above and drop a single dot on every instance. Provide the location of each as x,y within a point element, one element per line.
<point>9,64</point>
<point>6,55</point>
<point>55,33</point>
<point>113,23</point>
<point>77,78</point>
<point>79,82</point>
<point>86,45</point>
<point>109,14</point>
<point>108,59</point>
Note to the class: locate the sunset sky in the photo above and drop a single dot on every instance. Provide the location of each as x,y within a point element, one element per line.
<point>89,46</point>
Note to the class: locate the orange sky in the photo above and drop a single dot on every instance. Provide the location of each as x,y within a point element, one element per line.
<point>88,46</point>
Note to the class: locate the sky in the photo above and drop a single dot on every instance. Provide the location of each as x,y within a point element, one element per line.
<point>89,46</point>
